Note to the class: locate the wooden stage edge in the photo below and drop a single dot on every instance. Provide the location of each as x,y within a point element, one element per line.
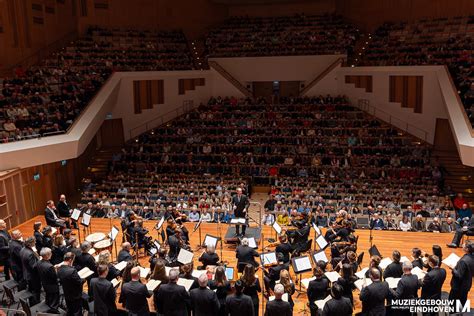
<point>386,242</point>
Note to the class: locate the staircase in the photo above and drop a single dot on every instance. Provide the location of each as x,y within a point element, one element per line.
<point>99,164</point>
<point>457,175</point>
<point>215,65</point>
<point>323,74</point>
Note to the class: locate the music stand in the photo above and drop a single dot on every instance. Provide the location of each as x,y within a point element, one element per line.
<point>317,233</point>
<point>322,242</point>
<point>113,236</point>
<point>319,256</point>
<point>210,240</point>
<point>277,228</point>
<point>300,265</point>
<point>159,226</point>
<point>86,222</point>
<point>75,217</point>
<point>268,258</point>
<point>374,251</point>
<point>198,227</point>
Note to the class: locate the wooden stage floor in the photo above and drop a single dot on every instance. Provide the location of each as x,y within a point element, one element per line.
<point>386,242</point>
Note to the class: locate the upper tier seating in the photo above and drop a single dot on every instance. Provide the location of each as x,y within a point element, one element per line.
<point>45,99</point>
<point>281,36</point>
<point>446,41</point>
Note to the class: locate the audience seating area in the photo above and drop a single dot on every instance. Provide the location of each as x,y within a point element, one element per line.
<point>444,41</point>
<point>282,36</point>
<point>45,99</point>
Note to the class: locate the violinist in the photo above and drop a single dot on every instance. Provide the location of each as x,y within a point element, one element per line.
<point>140,234</point>
<point>284,248</point>
<point>209,257</point>
<point>336,225</point>
<point>273,273</point>
<point>299,236</point>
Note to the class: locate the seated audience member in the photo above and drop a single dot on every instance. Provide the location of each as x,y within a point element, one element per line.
<point>135,294</point>
<point>209,257</point>
<point>373,296</point>
<point>206,216</point>
<point>194,215</point>
<point>463,212</point>
<point>171,298</point>
<point>376,222</point>
<point>461,280</point>
<point>72,285</point>
<point>204,301</point>
<point>419,224</point>
<point>433,280</point>
<point>338,304</point>
<point>460,232</point>
<point>124,253</point>
<point>405,224</point>
<point>434,226</point>
<point>448,226</point>
<point>394,269</point>
<point>239,304</point>
<point>278,307</point>
<point>103,293</point>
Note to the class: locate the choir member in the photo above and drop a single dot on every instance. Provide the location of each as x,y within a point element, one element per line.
<point>103,293</point>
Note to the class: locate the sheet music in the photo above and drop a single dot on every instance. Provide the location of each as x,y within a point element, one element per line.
<point>418,272</point>
<point>362,282</point>
<point>451,260</point>
<point>151,285</point>
<point>302,264</point>
<point>186,283</point>
<point>305,282</point>
<point>210,241</point>
<point>144,272</point>
<point>320,255</point>
<point>121,265</point>
<point>392,282</point>
<point>229,273</point>
<point>333,276</point>
<point>167,270</point>
<point>276,227</point>
<point>153,251</point>
<point>385,262</point>
<point>115,282</point>
<point>322,242</point>
<point>86,219</point>
<point>284,297</point>
<point>76,214</point>
<point>316,229</point>
<point>403,259</point>
<point>198,273</point>
<point>321,303</point>
<point>91,251</point>
<point>252,242</point>
<point>96,258</point>
<point>160,223</point>
<point>113,233</point>
<point>53,230</point>
<point>185,256</point>
<point>268,258</point>
<point>361,273</point>
<point>85,273</point>
<point>238,221</point>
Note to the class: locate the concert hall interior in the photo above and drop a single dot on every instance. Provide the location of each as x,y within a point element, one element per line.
<point>236,157</point>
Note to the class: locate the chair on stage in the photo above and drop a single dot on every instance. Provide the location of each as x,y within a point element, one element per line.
<point>360,258</point>
<point>35,309</point>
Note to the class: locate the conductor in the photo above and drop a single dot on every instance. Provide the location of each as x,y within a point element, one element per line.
<point>240,204</point>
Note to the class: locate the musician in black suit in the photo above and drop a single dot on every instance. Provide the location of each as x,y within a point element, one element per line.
<point>407,288</point>
<point>135,295</point>
<point>300,237</point>
<point>245,255</point>
<point>171,298</point>
<point>273,273</point>
<point>461,280</point>
<point>139,235</point>
<point>433,280</point>
<point>38,234</point>
<point>86,260</point>
<point>51,217</point>
<point>278,307</point>
<point>15,259</point>
<point>64,210</point>
<point>209,257</point>
<point>374,295</point>
<point>317,289</point>
<point>49,279</point>
<point>284,248</point>
<point>72,285</point>
<point>204,301</point>
<point>239,304</point>
<point>338,304</point>
<point>394,269</point>
<point>4,249</point>
<point>103,293</point>
<point>29,259</point>
<point>124,253</point>
<point>240,204</point>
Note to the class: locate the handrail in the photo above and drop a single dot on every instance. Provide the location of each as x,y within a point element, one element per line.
<point>259,222</point>
<point>230,78</point>
<point>323,74</point>
<point>187,106</point>
<point>365,106</point>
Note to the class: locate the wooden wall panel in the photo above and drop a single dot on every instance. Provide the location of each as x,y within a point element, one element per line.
<point>147,93</point>
<point>408,91</point>
<point>190,84</point>
<point>364,82</point>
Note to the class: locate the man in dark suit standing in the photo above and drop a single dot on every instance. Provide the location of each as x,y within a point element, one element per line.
<point>4,249</point>
<point>240,203</point>
<point>461,280</point>
<point>204,301</point>
<point>135,295</point>
<point>29,259</point>
<point>278,307</point>
<point>103,293</point>
<point>433,280</point>
<point>374,295</point>
<point>407,287</point>
<point>49,280</point>
<point>171,298</point>
<point>51,217</point>
<point>245,255</point>
<point>38,234</point>
<point>72,285</point>
<point>394,269</point>
<point>239,304</point>
<point>15,259</point>
<point>124,253</point>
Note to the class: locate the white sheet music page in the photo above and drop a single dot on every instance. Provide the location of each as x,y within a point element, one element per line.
<point>385,262</point>
<point>269,258</point>
<point>451,260</point>
<point>320,256</point>
<point>277,227</point>
<point>322,242</point>
<point>252,242</point>
<point>210,241</point>
<point>185,256</point>
<point>303,264</point>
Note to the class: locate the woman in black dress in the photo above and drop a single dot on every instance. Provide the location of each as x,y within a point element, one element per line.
<point>221,286</point>
<point>346,281</point>
<point>318,289</point>
<point>251,285</point>
<point>59,250</point>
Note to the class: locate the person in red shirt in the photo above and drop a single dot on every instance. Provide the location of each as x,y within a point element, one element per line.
<point>459,201</point>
